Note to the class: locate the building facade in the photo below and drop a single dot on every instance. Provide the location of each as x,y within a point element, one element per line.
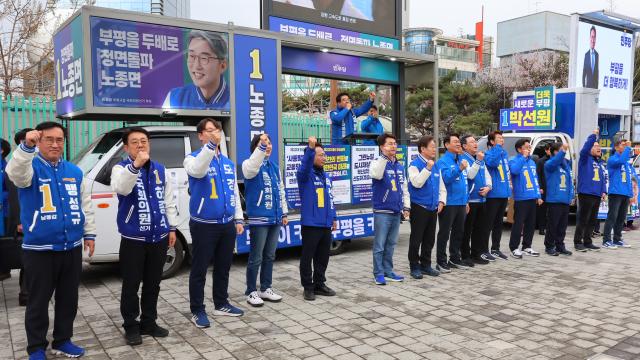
<point>543,31</point>
<point>459,53</point>
<point>173,8</point>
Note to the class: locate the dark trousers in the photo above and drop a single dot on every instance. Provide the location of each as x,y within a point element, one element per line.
<point>141,262</point>
<point>495,208</point>
<point>557,221</point>
<point>451,220</point>
<point>423,236</point>
<point>588,206</point>
<point>475,229</point>
<point>524,224</point>
<point>46,272</point>
<point>616,217</point>
<point>541,217</point>
<point>210,243</point>
<point>316,242</point>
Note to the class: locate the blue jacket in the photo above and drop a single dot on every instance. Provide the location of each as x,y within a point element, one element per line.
<point>315,193</point>
<point>343,120</point>
<point>426,194</point>
<point>557,171</point>
<point>371,125</point>
<point>53,203</point>
<point>142,210</point>
<point>212,182</point>
<point>455,180</point>
<point>591,178</point>
<point>389,186</point>
<point>497,161</point>
<point>190,97</point>
<point>524,178</point>
<point>263,189</point>
<point>479,181</point>
<point>620,173</point>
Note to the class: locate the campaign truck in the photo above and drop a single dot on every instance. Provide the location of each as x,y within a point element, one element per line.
<point>133,67</point>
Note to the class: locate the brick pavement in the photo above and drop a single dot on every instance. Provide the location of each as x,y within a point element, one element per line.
<point>578,307</point>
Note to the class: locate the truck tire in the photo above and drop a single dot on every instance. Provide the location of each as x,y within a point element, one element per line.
<point>175,257</point>
<point>338,247</point>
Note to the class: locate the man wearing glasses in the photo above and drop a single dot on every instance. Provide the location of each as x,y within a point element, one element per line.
<point>214,207</point>
<point>206,62</point>
<point>56,214</point>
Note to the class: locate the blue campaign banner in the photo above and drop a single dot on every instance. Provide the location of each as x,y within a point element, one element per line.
<point>349,227</point>
<point>256,89</point>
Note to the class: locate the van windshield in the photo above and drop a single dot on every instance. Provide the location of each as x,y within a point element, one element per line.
<point>90,155</point>
<point>509,144</point>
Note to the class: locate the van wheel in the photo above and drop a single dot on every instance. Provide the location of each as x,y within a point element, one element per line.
<point>175,257</point>
<point>338,247</point>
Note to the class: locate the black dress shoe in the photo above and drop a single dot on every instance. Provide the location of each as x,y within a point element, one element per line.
<point>324,290</point>
<point>157,331</point>
<point>133,337</point>
<point>309,295</point>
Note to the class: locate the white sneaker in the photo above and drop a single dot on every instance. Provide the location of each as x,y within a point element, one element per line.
<point>270,295</point>
<point>254,299</point>
<point>531,252</point>
<point>517,254</point>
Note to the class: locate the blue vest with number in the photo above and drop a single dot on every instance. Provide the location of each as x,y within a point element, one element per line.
<point>142,214</point>
<point>262,196</point>
<point>51,207</point>
<point>387,192</point>
<point>213,199</point>
<point>428,196</point>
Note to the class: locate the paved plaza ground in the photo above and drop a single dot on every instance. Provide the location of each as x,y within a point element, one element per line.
<point>578,307</point>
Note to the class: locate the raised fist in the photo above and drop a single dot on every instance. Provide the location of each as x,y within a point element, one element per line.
<point>480,155</point>
<point>312,142</point>
<point>32,138</point>
<point>141,158</point>
<point>463,164</point>
<point>430,164</point>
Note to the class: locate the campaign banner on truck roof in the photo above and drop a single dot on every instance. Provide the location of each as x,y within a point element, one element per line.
<point>142,65</point>
<point>68,57</point>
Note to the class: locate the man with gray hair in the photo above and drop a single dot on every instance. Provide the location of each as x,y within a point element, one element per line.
<point>206,62</point>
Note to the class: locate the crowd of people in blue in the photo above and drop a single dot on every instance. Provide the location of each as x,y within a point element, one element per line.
<point>456,202</point>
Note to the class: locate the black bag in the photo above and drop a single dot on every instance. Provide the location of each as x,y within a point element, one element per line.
<point>11,252</point>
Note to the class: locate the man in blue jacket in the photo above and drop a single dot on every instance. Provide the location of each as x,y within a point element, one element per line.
<point>343,117</point>
<point>56,214</point>
<point>390,202</point>
<point>559,195</point>
<point>454,175</point>
<point>497,161</point>
<point>267,210</point>
<point>147,219</point>
<point>526,196</point>
<point>371,125</point>
<point>592,188</point>
<point>479,185</point>
<point>318,218</point>
<point>620,191</point>
<point>428,196</point>
<point>214,207</point>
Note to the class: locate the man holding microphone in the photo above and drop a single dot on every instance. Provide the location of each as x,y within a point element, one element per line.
<point>343,117</point>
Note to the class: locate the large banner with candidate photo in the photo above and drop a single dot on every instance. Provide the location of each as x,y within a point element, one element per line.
<point>142,65</point>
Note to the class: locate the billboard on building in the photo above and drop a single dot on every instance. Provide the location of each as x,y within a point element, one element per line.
<point>142,65</point>
<point>68,57</point>
<point>602,58</point>
<point>377,17</point>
